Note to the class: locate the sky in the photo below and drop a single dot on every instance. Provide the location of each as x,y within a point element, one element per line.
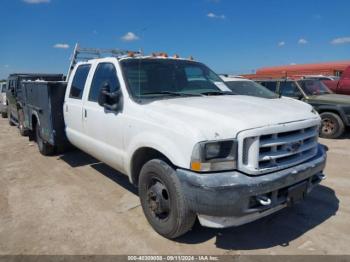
<point>230,36</point>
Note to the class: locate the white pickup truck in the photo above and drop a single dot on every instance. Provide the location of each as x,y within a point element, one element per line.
<point>193,148</point>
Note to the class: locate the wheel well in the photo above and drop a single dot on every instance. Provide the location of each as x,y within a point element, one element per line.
<point>34,122</point>
<point>142,156</point>
<point>334,111</point>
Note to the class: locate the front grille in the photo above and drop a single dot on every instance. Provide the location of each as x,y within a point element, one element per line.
<point>279,150</point>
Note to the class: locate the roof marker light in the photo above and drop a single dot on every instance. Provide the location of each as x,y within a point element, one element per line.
<point>159,54</point>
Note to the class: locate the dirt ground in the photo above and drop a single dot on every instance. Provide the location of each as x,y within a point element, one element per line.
<point>73,204</point>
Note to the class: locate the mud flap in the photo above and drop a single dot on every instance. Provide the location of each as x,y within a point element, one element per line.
<point>297,193</point>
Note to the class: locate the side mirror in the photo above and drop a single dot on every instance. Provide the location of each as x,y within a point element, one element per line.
<point>107,99</point>
<point>300,96</point>
<point>102,96</point>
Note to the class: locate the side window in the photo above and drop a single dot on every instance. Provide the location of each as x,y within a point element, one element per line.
<point>289,89</point>
<point>270,85</point>
<point>79,81</point>
<point>105,73</point>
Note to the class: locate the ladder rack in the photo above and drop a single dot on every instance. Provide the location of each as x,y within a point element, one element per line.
<point>85,54</point>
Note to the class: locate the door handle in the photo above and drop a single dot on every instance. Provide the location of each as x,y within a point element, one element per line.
<point>85,113</point>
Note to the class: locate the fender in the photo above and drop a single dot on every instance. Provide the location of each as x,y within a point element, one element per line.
<point>175,153</point>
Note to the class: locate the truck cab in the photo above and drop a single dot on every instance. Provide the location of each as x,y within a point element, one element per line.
<point>342,85</point>
<point>191,146</point>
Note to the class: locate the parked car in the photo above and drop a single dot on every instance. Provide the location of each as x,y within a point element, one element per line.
<point>342,85</point>
<point>14,96</point>
<point>334,109</point>
<point>321,77</point>
<point>193,148</point>
<point>3,105</point>
<point>243,86</point>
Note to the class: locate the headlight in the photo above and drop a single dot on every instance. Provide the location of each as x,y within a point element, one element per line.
<point>214,156</point>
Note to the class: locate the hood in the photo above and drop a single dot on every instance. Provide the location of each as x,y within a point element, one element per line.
<point>331,98</point>
<point>221,117</point>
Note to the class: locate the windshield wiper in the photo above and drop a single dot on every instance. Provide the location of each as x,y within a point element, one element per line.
<point>171,93</point>
<point>218,93</point>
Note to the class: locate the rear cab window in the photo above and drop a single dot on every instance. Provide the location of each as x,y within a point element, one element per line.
<point>79,80</point>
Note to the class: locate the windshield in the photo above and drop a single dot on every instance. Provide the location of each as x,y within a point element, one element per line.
<point>156,78</point>
<point>250,88</point>
<point>314,87</point>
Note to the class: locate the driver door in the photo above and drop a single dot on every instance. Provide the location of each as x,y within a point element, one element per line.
<point>104,129</point>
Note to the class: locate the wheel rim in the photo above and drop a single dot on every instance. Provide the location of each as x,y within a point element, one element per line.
<point>158,200</point>
<point>329,126</point>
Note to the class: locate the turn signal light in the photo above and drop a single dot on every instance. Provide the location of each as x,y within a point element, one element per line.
<point>196,166</point>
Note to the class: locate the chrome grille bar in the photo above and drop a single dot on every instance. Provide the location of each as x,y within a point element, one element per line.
<point>275,151</point>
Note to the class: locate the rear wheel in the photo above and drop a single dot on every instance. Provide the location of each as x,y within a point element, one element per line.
<point>3,114</point>
<point>162,200</point>
<point>22,130</point>
<point>332,125</point>
<point>44,148</point>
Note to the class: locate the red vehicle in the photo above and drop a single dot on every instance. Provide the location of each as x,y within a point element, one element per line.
<point>341,86</point>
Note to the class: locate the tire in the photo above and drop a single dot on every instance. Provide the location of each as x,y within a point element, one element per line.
<point>44,148</point>
<point>162,200</point>
<point>22,130</point>
<point>9,117</point>
<point>332,125</point>
<point>3,114</point>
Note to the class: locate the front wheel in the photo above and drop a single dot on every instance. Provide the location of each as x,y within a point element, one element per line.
<point>163,201</point>
<point>44,148</point>
<point>332,125</point>
<point>3,114</point>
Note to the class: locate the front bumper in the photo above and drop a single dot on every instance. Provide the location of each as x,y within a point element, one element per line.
<point>229,198</point>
